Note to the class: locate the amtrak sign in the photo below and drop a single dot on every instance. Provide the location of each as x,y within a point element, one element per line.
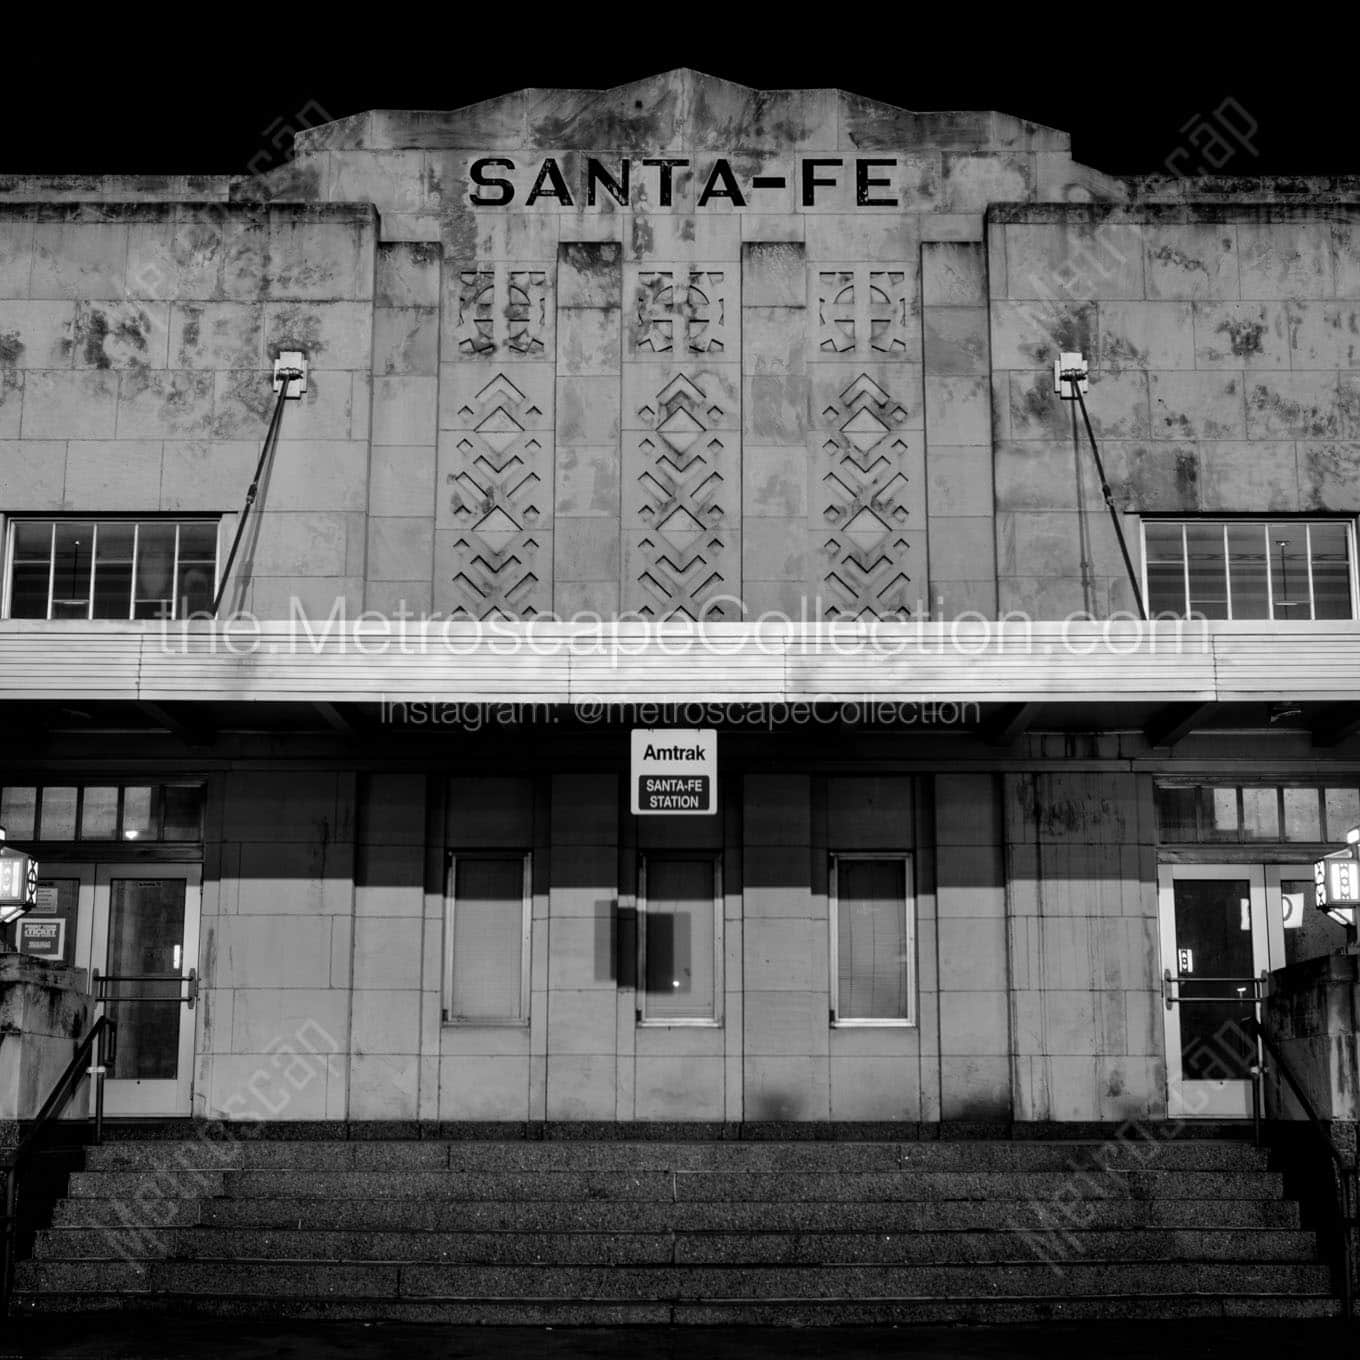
<point>674,771</point>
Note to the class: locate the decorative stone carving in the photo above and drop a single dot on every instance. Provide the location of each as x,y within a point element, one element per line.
<point>683,311</point>
<point>688,498</point>
<point>863,311</point>
<point>496,474</point>
<point>863,494</point>
<point>502,311</point>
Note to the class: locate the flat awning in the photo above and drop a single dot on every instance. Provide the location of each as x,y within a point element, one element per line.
<point>1008,663</point>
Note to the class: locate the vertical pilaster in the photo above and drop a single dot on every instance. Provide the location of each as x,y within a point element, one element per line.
<point>958,418</point>
<point>589,348</point>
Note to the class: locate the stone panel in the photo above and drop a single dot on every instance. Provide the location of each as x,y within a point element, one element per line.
<point>866,519</point>
<point>494,557</point>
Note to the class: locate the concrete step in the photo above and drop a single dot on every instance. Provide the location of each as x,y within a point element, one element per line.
<point>727,1186</point>
<point>681,1248</point>
<point>416,1281</point>
<point>255,1154</point>
<point>1159,1309</point>
<point>375,1215</point>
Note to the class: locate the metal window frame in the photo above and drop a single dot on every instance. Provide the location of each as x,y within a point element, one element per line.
<point>520,1020</point>
<point>911,1019</point>
<point>1347,523</point>
<point>715,1021</point>
<point>10,523</point>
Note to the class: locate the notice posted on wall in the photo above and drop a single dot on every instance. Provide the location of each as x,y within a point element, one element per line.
<point>674,771</point>
<point>43,939</point>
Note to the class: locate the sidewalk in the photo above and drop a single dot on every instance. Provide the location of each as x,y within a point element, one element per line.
<point>128,1337</point>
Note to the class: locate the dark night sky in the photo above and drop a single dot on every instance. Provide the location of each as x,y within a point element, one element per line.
<point>134,111</point>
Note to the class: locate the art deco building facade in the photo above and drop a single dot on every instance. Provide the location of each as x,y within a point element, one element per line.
<point>680,406</point>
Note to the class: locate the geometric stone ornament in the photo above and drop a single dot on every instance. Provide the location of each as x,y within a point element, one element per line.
<point>495,473</point>
<point>862,490</point>
<point>688,505</point>
<point>863,310</point>
<point>682,310</point>
<point>501,312</point>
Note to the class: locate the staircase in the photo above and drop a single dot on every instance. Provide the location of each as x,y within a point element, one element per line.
<point>600,1232</point>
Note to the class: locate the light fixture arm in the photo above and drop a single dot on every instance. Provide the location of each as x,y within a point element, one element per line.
<point>1073,376</point>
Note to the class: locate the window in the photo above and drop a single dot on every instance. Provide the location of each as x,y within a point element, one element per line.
<point>486,939</point>
<point>1248,569</point>
<point>111,568</point>
<point>873,944</point>
<point>102,812</point>
<point>1192,813</point>
<point>680,939</point>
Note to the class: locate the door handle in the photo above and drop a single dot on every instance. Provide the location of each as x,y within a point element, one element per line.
<point>192,980</point>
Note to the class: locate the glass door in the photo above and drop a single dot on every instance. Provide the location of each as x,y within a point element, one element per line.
<point>1217,939</point>
<point>144,941</point>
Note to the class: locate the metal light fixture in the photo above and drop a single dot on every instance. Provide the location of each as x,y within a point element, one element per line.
<point>18,882</point>
<point>1337,879</point>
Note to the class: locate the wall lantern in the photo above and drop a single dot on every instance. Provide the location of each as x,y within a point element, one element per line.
<point>18,882</point>
<point>1338,883</point>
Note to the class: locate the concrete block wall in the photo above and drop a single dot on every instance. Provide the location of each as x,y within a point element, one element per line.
<point>1225,378</point>
<point>958,456</point>
<point>281,995</point>
<point>1083,953</point>
<point>136,343</point>
<point>401,494</point>
<point>1036,952</point>
<point>975,1038</point>
<point>483,1071</point>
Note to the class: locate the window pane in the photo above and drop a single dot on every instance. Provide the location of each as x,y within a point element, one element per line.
<point>58,814</point>
<point>488,931</point>
<point>146,935</point>
<point>1176,812</point>
<point>183,812</point>
<point>1223,812</point>
<point>1343,812</point>
<point>99,813</point>
<point>71,574</point>
<point>28,589</point>
<point>872,974</point>
<point>1289,571</point>
<point>198,541</point>
<point>113,571</point>
<point>1165,568</point>
<point>32,540</point>
<point>197,561</point>
<point>138,822</point>
<point>17,809</point>
<point>1247,561</point>
<point>1302,815</point>
<point>1261,813</point>
<point>678,941</point>
<point>155,582</point>
<point>1208,581</point>
<point>1331,572</point>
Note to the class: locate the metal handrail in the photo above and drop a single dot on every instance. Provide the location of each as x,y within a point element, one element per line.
<point>102,982</point>
<point>1344,1203</point>
<point>103,1032</point>
<point>1171,984</point>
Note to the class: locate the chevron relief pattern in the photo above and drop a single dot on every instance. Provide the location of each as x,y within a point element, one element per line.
<point>864,490</point>
<point>495,471</point>
<point>688,500</point>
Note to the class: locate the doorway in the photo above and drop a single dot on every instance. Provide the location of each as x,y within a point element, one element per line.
<point>1222,926</point>
<point>137,935</point>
